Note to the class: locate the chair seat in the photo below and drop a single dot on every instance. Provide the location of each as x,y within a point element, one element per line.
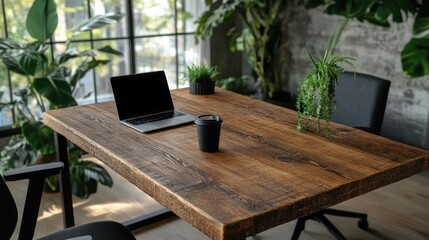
<point>97,231</point>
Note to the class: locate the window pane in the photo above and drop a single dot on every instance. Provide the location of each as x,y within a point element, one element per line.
<point>70,14</point>
<point>2,31</point>
<point>153,17</point>
<point>118,65</point>
<point>118,29</point>
<point>84,91</point>
<point>6,113</point>
<point>157,53</point>
<point>16,25</point>
<point>20,82</point>
<point>189,53</point>
<point>188,12</point>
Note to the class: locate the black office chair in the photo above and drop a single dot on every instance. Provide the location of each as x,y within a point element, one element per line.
<point>361,104</point>
<point>36,176</point>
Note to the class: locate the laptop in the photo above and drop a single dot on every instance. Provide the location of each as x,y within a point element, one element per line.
<point>144,102</point>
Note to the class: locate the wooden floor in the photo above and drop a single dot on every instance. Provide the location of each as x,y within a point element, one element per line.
<point>398,211</point>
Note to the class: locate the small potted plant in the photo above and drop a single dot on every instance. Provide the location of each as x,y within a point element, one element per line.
<point>316,93</point>
<point>201,78</point>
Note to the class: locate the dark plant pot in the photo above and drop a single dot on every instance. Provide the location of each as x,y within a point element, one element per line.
<point>202,88</point>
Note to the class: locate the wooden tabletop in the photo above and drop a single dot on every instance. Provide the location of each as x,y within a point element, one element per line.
<point>265,174</point>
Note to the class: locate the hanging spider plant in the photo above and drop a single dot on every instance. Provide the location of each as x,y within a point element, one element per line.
<point>316,96</point>
<point>316,93</point>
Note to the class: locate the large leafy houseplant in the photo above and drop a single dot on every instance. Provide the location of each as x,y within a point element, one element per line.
<point>259,38</point>
<point>52,82</point>
<point>415,54</point>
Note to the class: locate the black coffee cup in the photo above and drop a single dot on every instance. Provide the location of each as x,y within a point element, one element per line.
<point>208,131</point>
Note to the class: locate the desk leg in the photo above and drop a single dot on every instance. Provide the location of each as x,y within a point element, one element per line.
<point>65,187</point>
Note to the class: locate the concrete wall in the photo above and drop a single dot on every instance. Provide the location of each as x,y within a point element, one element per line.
<point>377,52</point>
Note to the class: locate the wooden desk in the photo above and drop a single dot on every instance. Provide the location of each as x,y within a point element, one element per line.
<point>265,174</point>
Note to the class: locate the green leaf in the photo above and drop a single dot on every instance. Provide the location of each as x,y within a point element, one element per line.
<point>42,19</point>
<point>373,11</point>
<point>9,44</point>
<point>82,187</point>
<point>39,136</point>
<point>421,24</point>
<point>61,73</point>
<point>97,172</point>
<point>83,69</point>
<point>85,176</point>
<point>109,50</point>
<point>415,57</point>
<point>13,65</point>
<point>97,22</point>
<point>209,20</point>
<point>395,8</point>
<point>67,55</point>
<point>17,153</point>
<point>28,61</point>
<point>58,92</point>
<point>383,12</point>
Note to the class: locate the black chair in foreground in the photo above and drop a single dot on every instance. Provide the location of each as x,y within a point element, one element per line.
<point>36,176</point>
<point>361,104</point>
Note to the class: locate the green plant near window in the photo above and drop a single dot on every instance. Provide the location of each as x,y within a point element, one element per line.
<point>415,54</point>
<point>52,82</point>
<point>259,39</point>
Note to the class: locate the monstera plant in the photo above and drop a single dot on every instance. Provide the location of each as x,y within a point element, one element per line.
<point>51,82</point>
<point>415,54</point>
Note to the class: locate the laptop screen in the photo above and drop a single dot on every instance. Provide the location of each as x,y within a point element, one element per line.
<point>141,94</point>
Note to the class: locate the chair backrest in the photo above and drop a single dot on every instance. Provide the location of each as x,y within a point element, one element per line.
<point>361,102</point>
<point>8,211</point>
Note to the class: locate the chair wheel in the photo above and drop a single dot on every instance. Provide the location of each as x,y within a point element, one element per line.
<point>363,224</point>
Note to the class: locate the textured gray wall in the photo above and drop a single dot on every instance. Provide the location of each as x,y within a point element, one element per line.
<point>377,52</point>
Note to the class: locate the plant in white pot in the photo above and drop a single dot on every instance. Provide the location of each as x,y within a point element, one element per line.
<point>201,78</point>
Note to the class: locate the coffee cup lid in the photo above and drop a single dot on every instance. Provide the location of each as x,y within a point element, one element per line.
<point>208,119</point>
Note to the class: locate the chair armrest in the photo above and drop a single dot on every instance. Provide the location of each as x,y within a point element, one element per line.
<point>36,175</point>
<point>34,172</point>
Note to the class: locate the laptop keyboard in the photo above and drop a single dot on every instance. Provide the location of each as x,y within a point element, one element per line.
<point>154,118</point>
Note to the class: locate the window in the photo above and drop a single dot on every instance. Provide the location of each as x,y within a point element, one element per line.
<point>153,35</point>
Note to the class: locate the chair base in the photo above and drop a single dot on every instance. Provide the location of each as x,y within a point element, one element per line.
<point>320,218</point>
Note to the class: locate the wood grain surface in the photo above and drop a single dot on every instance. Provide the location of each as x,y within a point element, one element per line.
<point>265,174</point>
